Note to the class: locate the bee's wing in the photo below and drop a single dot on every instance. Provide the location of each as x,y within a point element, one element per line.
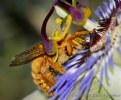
<point>28,55</point>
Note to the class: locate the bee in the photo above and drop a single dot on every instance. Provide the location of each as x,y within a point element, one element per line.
<point>44,69</point>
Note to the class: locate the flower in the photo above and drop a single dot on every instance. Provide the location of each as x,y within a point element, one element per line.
<point>98,58</point>
<point>79,14</point>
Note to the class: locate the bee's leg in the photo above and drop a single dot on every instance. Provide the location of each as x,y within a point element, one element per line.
<point>77,37</point>
<point>75,40</point>
<point>55,66</point>
<point>80,33</point>
<point>59,37</point>
<point>69,49</point>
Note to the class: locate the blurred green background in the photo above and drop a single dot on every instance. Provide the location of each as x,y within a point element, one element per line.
<point>20,24</point>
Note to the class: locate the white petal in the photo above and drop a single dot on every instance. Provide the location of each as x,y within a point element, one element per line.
<point>61,12</point>
<point>36,95</point>
<point>114,89</point>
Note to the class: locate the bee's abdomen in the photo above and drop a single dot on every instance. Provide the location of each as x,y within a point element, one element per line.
<point>42,75</point>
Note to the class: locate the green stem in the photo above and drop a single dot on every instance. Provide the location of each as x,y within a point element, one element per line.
<point>106,90</point>
<point>74,3</point>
